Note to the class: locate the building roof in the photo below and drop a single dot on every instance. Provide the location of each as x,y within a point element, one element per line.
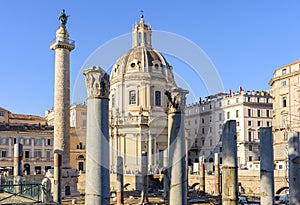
<point>25,117</point>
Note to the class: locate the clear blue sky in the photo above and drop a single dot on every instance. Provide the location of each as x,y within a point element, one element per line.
<point>246,40</point>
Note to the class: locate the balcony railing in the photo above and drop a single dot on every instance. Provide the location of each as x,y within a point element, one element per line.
<point>67,41</point>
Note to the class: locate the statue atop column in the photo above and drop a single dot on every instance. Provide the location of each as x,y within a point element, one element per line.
<point>63,17</point>
<point>97,82</point>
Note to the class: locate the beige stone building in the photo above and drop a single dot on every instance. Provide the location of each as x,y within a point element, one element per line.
<point>286,109</point>
<point>77,134</point>
<point>204,122</point>
<point>36,137</point>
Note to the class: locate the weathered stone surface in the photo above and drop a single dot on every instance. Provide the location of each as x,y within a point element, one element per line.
<point>97,185</point>
<point>176,145</point>
<point>266,166</point>
<point>229,166</point>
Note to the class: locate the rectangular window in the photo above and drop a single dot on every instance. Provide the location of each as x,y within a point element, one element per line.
<point>268,124</point>
<point>49,142</point>
<point>38,142</point>
<point>83,123</point>
<point>258,99</point>
<point>48,154</point>
<point>250,136</point>
<point>210,129</point>
<point>195,131</point>
<point>258,113</point>
<point>258,123</point>
<point>203,120</point>
<point>203,130</point>
<point>220,116</point>
<point>38,154</point>
<point>195,122</point>
<point>27,154</point>
<point>157,98</point>
<point>249,123</point>
<point>210,142</point>
<point>189,122</point>
<point>249,99</point>
<point>228,115</point>
<point>210,118</point>
<point>27,141</point>
<point>2,114</point>
<point>284,102</point>
<point>80,166</point>
<point>250,158</point>
<point>250,148</point>
<point>249,112</point>
<point>4,141</point>
<point>83,113</point>
<point>283,71</point>
<point>268,113</point>
<point>203,142</point>
<point>283,83</point>
<point>237,113</point>
<point>132,97</point>
<point>3,154</point>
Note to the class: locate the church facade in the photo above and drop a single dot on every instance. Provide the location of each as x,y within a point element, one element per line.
<point>138,105</point>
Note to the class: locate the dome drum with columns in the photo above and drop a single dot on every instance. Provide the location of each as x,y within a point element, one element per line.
<point>138,105</point>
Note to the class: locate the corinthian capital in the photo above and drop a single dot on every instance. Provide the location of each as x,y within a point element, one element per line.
<point>176,99</point>
<point>97,82</point>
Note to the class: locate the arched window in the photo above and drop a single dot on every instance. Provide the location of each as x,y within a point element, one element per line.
<point>132,97</point>
<point>157,98</point>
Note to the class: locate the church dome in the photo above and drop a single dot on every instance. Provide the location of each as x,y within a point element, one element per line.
<point>142,58</point>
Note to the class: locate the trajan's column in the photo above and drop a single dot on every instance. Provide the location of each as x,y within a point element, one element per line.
<point>63,177</point>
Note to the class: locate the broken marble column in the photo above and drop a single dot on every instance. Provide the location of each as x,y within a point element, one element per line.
<point>229,166</point>
<point>294,168</point>
<point>176,145</point>
<point>97,184</point>
<point>217,174</point>
<point>18,157</point>
<point>120,181</point>
<point>266,166</point>
<point>202,175</point>
<point>144,194</point>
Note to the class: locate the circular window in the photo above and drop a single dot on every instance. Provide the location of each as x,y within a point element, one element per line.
<point>156,66</point>
<point>132,65</point>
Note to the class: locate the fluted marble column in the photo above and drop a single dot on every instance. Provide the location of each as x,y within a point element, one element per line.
<point>176,146</point>
<point>97,140</point>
